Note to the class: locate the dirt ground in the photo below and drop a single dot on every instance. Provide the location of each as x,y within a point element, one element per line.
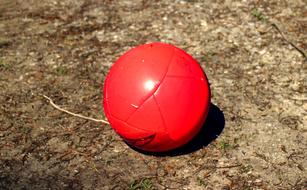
<point>64,48</point>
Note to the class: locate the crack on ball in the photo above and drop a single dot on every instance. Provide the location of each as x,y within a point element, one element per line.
<point>161,115</point>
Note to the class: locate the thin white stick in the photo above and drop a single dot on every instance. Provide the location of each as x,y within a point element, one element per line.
<point>74,114</point>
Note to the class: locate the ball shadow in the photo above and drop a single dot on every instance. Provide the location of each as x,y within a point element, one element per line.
<point>211,129</point>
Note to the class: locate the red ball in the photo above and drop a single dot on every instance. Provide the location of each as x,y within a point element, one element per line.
<point>156,97</point>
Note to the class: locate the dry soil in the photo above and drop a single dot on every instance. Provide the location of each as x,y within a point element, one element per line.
<point>253,52</point>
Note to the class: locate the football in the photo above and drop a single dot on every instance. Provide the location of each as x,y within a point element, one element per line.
<point>156,97</point>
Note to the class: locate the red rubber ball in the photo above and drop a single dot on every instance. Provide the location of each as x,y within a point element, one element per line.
<point>156,97</point>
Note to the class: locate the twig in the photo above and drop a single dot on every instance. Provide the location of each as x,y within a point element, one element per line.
<point>295,155</point>
<point>74,114</point>
<point>231,166</point>
<point>289,42</point>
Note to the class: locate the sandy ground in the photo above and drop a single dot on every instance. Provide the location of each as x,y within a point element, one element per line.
<point>64,48</point>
